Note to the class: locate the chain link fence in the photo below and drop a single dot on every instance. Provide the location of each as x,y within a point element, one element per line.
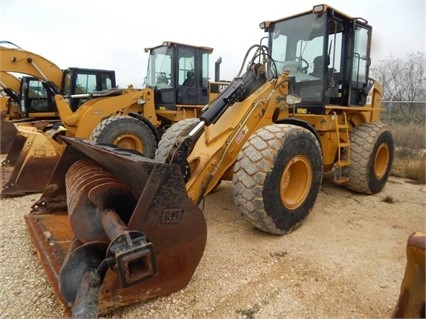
<point>407,121</point>
<point>405,112</point>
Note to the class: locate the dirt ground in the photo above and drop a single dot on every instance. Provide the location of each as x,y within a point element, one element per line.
<point>347,260</point>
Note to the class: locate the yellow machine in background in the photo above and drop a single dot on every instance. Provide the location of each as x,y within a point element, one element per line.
<point>69,82</point>
<point>177,87</point>
<point>29,127</point>
<point>33,103</point>
<point>9,86</point>
<point>301,105</point>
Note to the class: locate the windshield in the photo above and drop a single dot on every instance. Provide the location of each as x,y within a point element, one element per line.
<point>159,68</point>
<point>297,46</point>
<point>297,42</point>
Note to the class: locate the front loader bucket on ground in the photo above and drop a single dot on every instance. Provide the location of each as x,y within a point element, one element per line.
<point>8,133</point>
<point>412,299</point>
<point>113,228</point>
<point>29,162</point>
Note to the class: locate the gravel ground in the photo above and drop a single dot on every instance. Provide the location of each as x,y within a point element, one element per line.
<point>347,260</point>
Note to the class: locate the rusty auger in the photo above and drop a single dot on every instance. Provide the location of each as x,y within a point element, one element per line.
<point>114,228</point>
<point>96,200</point>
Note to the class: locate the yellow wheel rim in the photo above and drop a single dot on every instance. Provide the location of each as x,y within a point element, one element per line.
<point>381,161</point>
<point>295,182</point>
<point>129,141</point>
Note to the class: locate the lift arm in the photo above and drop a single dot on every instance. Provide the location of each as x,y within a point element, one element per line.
<point>8,80</point>
<point>21,61</point>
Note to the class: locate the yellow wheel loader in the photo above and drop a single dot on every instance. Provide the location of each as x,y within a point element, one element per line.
<point>274,131</point>
<point>177,87</point>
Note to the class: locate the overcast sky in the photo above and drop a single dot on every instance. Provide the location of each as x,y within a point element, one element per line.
<point>113,34</point>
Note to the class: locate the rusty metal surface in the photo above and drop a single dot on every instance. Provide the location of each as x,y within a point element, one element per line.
<point>163,219</point>
<point>83,258</point>
<point>28,165</point>
<point>412,299</point>
<point>86,303</point>
<point>51,237</point>
<point>8,132</point>
<point>83,177</point>
<point>15,149</point>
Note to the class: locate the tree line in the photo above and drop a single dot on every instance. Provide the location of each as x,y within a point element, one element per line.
<point>403,81</point>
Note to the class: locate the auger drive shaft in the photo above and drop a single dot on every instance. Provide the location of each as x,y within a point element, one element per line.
<point>102,234</point>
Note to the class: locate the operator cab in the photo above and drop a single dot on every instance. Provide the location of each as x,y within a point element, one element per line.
<point>80,81</point>
<point>178,74</point>
<point>34,99</point>
<point>327,55</point>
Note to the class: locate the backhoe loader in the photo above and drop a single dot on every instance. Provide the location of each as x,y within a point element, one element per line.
<point>31,152</point>
<point>69,82</point>
<point>177,87</point>
<point>273,131</point>
<point>34,105</point>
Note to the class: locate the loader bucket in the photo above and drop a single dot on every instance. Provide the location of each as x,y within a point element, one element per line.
<point>412,300</point>
<point>8,133</point>
<point>113,228</point>
<point>29,162</point>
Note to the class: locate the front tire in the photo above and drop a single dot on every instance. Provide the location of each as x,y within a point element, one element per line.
<point>172,135</point>
<point>371,155</point>
<point>126,132</point>
<point>277,177</point>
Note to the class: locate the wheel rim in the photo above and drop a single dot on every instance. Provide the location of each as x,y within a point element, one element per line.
<point>295,182</point>
<point>381,161</point>
<point>129,141</point>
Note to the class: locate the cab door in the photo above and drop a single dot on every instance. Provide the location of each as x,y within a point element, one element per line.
<point>360,64</point>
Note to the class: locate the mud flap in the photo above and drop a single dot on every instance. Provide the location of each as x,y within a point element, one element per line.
<point>29,162</point>
<point>155,234</point>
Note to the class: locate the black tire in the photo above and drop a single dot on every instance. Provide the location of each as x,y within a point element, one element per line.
<point>126,132</point>
<point>172,134</point>
<point>371,155</point>
<point>277,177</point>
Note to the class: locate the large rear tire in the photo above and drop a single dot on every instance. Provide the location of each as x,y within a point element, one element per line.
<point>126,132</point>
<point>277,177</point>
<point>371,155</point>
<point>172,135</point>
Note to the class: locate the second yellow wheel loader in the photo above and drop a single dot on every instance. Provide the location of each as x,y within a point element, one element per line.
<point>274,131</point>
<point>177,87</point>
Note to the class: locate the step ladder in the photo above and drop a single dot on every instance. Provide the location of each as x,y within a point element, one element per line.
<point>341,167</point>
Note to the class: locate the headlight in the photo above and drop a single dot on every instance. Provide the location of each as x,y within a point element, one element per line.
<point>292,99</point>
<point>318,8</point>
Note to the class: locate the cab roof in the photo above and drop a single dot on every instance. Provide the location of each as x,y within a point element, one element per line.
<point>172,43</point>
